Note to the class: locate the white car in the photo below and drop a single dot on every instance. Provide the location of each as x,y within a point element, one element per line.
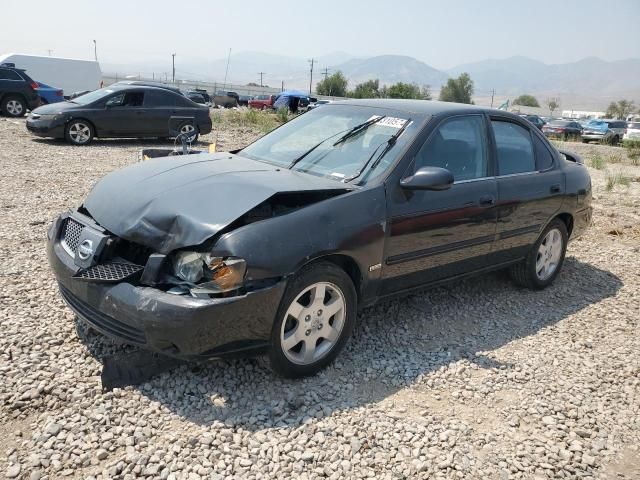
<point>632,132</point>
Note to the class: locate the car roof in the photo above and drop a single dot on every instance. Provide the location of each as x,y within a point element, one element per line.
<point>139,83</point>
<point>420,107</point>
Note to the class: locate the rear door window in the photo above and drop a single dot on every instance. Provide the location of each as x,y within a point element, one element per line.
<point>514,148</point>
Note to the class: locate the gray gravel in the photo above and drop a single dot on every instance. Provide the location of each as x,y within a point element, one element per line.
<point>475,380</point>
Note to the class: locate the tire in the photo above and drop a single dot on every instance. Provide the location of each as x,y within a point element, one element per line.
<point>549,250</point>
<point>305,343</point>
<point>13,106</point>
<point>79,132</point>
<point>188,127</point>
<point>264,108</point>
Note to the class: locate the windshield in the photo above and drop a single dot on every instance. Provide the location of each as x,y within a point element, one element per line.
<point>314,143</point>
<point>91,97</point>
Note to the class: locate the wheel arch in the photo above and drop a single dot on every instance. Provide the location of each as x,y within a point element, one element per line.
<point>344,262</point>
<point>567,219</point>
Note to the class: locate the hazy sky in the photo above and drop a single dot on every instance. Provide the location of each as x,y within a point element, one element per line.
<point>442,33</point>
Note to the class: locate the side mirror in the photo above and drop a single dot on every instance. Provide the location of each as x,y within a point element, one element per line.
<point>428,178</point>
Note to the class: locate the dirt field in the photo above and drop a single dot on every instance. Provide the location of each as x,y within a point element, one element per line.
<point>477,380</point>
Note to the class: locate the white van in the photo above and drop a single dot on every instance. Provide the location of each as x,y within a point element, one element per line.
<point>66,73</point>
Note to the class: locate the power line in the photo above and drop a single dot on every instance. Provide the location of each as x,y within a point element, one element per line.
<point>261,74</point>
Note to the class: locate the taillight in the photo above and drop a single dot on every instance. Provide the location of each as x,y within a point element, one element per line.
<point>34,85</point>
<point>58,93</point>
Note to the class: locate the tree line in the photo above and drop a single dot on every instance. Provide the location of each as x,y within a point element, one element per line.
<point>458,90</point>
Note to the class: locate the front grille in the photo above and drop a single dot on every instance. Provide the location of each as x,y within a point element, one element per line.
<point>71,235</point>
<point>101,321</point>
<point>109,272</point>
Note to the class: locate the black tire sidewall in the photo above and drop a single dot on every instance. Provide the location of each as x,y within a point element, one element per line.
<point>84,122</point>
<point>531,258</point>
<point>319,272</point>
<point>7,99</point>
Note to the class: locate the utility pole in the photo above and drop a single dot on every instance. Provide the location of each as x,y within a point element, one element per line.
<point>227,70</point>
<point>282,87</point>
<point>261,74</point>
<point>95,50</point>
<point>493,92</point>
<point>173,67</point>
<point>311,61</point>
<point>326,72</point>
<point>49,51</point>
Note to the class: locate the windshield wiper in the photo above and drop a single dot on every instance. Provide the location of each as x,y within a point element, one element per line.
<point>389,143</point>
<point>349,133</point>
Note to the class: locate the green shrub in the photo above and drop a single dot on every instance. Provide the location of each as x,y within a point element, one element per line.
<point>596,160</point>
<point>283,114</point>
<point>617,178</point>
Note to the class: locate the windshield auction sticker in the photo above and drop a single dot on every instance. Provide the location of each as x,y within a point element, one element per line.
<point>392,122</point>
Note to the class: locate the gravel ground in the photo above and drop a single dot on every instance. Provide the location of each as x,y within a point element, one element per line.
<point>477,380</point>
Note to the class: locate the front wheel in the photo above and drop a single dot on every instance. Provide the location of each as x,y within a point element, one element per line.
<point>79,132</point>
<point>544,262</point>
<point>314,321</point>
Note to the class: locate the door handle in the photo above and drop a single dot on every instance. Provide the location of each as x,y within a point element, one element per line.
<point>555,188</point>
<point>487,201</point>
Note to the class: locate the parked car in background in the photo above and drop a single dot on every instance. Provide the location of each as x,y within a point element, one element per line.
<point>131,111</point>
<point>262,102</point>
<point>535,119</point>
<point>564,129</point>
<point>226,99</point>
<point>49,94</point>
<point>243,100</point>
<point>604,131</point>
<point>196,97</point>
<point>17,91</point>
<point>318,103</point>
<point>205,95</point>
<point>632,132</point>
<point>211,255</point>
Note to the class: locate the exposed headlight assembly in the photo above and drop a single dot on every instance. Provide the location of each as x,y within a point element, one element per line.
<point>209,274</point>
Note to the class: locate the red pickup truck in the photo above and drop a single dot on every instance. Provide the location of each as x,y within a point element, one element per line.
<point>262,102</point>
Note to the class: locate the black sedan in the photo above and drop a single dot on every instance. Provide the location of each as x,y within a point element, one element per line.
<point>564,129</point>
<point>272,249</point>
<point>121,110</point>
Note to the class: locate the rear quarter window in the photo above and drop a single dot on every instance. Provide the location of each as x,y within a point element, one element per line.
<point>9,75</point>
<point>514,148</point>
<point>544,158</point>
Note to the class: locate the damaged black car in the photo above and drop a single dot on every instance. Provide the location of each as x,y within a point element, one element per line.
<point>272,249</point>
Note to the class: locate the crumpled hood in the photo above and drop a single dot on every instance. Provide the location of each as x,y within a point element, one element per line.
<point>173,202</point>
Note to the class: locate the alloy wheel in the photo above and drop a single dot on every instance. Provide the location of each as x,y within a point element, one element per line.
<point>79,133</point>
<point>313,323</point>
<point>549,254</point>
<point>188,128</point>
<point>14,107</point>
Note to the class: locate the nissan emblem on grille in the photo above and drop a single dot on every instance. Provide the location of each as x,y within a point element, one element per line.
<point>85,249</point>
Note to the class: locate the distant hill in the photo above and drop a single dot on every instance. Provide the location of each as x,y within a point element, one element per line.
<point>588,83</point>
<point>391,69</point>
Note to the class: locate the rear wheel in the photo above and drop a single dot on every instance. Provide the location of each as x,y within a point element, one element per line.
<point>79,132</point>
<point>314,321</point>
<point>544,262</point>
<point>189,128</point>
<point>13,106</point>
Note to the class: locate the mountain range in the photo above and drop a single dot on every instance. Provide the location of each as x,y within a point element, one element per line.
<point>590,83</point>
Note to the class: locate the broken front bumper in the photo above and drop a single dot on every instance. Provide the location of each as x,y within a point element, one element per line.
<point>175,325</point>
